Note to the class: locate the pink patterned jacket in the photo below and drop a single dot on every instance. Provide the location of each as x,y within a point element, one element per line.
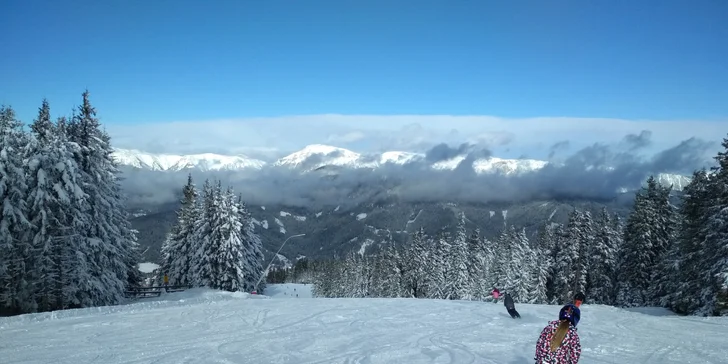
<point>569,351</point>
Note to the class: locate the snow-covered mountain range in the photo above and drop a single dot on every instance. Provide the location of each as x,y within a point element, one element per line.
<point>315,156</point>
<point>171,162</point>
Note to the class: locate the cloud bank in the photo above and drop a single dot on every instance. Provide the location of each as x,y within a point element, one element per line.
<point>595,172</point>
<point>539,138</point>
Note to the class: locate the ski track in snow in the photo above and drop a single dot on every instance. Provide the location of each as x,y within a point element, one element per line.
<point>204,326</point>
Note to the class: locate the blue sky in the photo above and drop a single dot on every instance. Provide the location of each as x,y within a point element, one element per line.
<point>154,62</point>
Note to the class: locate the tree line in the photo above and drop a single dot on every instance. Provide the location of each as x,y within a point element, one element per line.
<point>65,236</point>
<point>213,243</point>
<point>661,255</point>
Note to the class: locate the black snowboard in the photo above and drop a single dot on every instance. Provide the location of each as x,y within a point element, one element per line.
<point>514,314</point>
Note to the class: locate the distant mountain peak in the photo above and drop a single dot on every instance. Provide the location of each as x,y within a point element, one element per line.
<point>317,157</point>
<point>173,162</point>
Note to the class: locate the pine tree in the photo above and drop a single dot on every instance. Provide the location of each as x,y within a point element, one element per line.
<point>181,243</point>
<point>210,272</point>
<point>500,270</point>
<point>15,251</point>
<point>232,246</point>
<point>418,258</point>
<point>714,275</point>
<point>664,269</point>
<point>489,249</point>
<point>603,261</point>
<point>571,277</point>
<point>253,253</point>
<point>646,239</point>
<point>386,282</point>
<point>456,277</point>
<point>475,266</point>
<point>438,268</point>
<point>105,243</point>
<point>55,201</point>
<point>548,241</point>
<point>690,244</point>
<point>521,266</point>
<point>539,275</point>
<point>202,271</point>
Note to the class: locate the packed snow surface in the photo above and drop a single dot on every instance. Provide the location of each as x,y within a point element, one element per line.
<point>288,290</point>
<point>148,267</point>
<point>204,326</point>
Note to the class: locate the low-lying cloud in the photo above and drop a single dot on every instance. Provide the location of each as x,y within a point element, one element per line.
<point>272,137</point>
<point>595,172</point>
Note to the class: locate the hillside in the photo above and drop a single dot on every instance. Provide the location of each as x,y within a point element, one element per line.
<point>204,326</point>
<point>364,227</point>
<point>343,200</point>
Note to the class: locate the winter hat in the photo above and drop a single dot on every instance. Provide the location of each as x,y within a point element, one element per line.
<point>570,313</point>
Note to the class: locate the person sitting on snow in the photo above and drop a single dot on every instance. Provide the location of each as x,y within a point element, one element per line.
<point>559,341</point>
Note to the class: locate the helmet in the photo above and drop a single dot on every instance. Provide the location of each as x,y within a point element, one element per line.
<point>570,313</point>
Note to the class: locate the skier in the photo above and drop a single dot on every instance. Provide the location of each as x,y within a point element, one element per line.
<point>496,294</point>
<point>579,298</point>
<point>510,306</point>
<point>559,341</point>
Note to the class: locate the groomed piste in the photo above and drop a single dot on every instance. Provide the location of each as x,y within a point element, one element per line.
<point>205,326</point>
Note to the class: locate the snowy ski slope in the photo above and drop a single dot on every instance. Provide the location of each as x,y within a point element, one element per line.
<point>204,326</point>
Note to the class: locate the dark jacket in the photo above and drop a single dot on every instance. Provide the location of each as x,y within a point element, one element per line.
<point>508,302</point>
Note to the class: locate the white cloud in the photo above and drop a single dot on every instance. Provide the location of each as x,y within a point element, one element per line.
<point>346,138</point>
<point>270,137</point>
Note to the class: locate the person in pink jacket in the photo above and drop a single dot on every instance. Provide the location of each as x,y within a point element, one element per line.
<point>559,342</point>
<point>496,294</point>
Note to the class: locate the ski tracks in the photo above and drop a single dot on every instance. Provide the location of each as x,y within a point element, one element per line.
<point>350,331</point>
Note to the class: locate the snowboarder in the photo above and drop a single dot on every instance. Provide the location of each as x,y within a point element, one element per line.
<point>510,306</point>
<point>559,341</point>
<point>496,294</point>
<point>579,298</point>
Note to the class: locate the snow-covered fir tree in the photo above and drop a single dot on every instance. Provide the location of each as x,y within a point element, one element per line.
<point>181,242</point>
<point>387,275</point>
<point>500,271</point>
<point>104,243</point>
<point>213,243</point>
<point>714,275</point>
<point>65,239</point>
<point>603,261</point>
<point>548,242</point>
<point>253,253</point>
<point>521,266</point>
<point>476,266</point>
<point>458,284</point>
<point>15,252</point>
<point>567,281</point>
<point>438,266</point>
<point>540,270</point>
<point>664,270</point>
<point>418,257</point>
<point>203,271</point>
<point>646,238</point>
<point>690,241</point>
<point>55,203</point>
<point>232,246</point>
